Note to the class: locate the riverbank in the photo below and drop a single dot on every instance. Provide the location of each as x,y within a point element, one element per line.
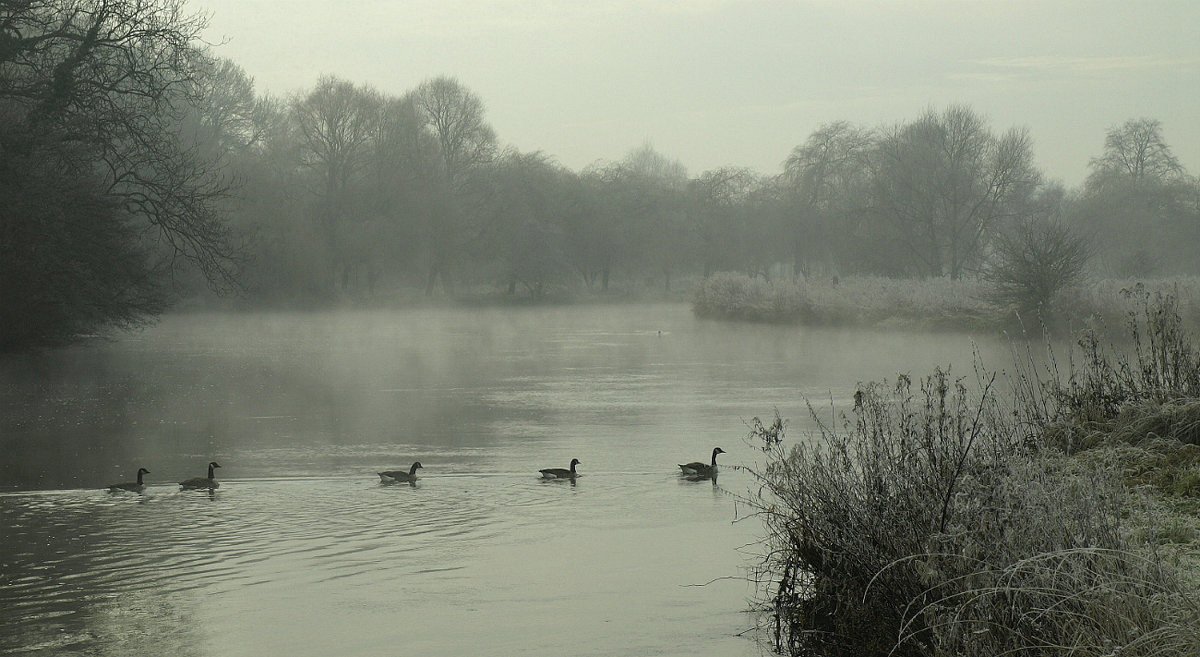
<point>1052,508</point>
<point>928,304</point>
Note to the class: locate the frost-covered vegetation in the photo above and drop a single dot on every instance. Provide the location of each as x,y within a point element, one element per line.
<point>1049,512</point>
<point>934,303</point>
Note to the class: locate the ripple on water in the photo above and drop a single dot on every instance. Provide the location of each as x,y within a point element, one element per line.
<point>72,556</point>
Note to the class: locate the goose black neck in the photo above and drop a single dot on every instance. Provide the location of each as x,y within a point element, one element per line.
<point>140,473</point>
<point>210,471</point>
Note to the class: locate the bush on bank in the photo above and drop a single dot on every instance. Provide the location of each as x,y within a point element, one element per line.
<point>729,295</point>
<point>943,518</point>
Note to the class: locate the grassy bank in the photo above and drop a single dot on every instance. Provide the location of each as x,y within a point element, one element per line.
<point>1052,511</point>
<point>935,303</point>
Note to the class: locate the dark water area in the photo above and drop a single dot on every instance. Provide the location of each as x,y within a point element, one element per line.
<point>301,549</point>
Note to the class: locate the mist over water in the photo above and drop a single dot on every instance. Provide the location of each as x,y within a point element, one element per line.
<point>301,549</point>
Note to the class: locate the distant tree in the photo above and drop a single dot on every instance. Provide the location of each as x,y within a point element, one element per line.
<point>456,116</point>
<point>942,184</point>
<point>273,209</point>
<point>1140,204</point>
<point>525,228</point>
<point>599,235</point>
<point>103,190</point>
<point>1134,152</point>
<point>467,142</point>
<point>225,114</point>
<point>653,192</point>
<point>731,235</point>
<point>825,180</point>
<point>407,188</point>
<point>336,123</point>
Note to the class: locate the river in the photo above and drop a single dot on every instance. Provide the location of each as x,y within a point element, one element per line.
<point>302,550</point>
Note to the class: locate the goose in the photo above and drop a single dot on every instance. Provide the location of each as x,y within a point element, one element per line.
<point>392,476</point>
<point>202,482</point>
<point>560,473</point>
<point>131,486</point>
<point>702,470</point>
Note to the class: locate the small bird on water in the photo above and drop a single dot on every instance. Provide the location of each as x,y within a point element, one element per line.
<point>203,482</point>
<point>394,476</point>
<point>131,486</point>
<point>702,470</point>
<point>561,473</point>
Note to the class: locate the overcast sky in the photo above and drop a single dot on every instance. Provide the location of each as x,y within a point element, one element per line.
<point>723,82</point>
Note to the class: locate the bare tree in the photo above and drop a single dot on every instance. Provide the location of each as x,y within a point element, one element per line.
<point>1141,205</point>
<point>466,141</point>
<point>730,235</point>
<point>336,123</point>
<point>456,116</point>
<point>1135,151</point>
<point>1036,257</point>
<point>825,179</point>
<point>94,95</point>
<point>944,182</point>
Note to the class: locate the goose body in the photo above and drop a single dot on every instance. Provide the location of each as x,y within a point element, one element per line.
<point>130,486</point>
<point>702,470</point>
<point>203,482</point>
<point>561,473</point>
<point>393,476</point>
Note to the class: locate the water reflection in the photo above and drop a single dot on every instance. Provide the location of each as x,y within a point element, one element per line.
<point>412,483</point>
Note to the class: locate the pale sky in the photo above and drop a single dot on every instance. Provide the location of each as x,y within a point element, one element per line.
<point>722,82</point>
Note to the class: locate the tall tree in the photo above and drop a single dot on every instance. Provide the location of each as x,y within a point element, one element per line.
<point>653,189</point>
<point>336,123</point>
<point>94,95</point>
<point>825,179</point>
<point>406,188</point>
<point>943,183</point>
<point>729,233</point>
<point>1140,205</point>
<point>525,227</point>
<point>466,141</point>
<point>1133,152</point>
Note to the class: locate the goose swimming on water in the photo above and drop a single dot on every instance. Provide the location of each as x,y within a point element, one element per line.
<point>702,470</point>
<point>393,476</point>
<point>561,473</point>
<point>203,482</point>
<point>131,486</point>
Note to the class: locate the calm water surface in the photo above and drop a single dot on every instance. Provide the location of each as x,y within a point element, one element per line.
<point>302,550</point>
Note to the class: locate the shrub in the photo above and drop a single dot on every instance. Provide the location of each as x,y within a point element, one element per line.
<point>737,296</point>
<point>1033,263</point>
<point>930,524</point>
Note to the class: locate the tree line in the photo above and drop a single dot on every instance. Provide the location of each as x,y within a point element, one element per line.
<point>138,166</point>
